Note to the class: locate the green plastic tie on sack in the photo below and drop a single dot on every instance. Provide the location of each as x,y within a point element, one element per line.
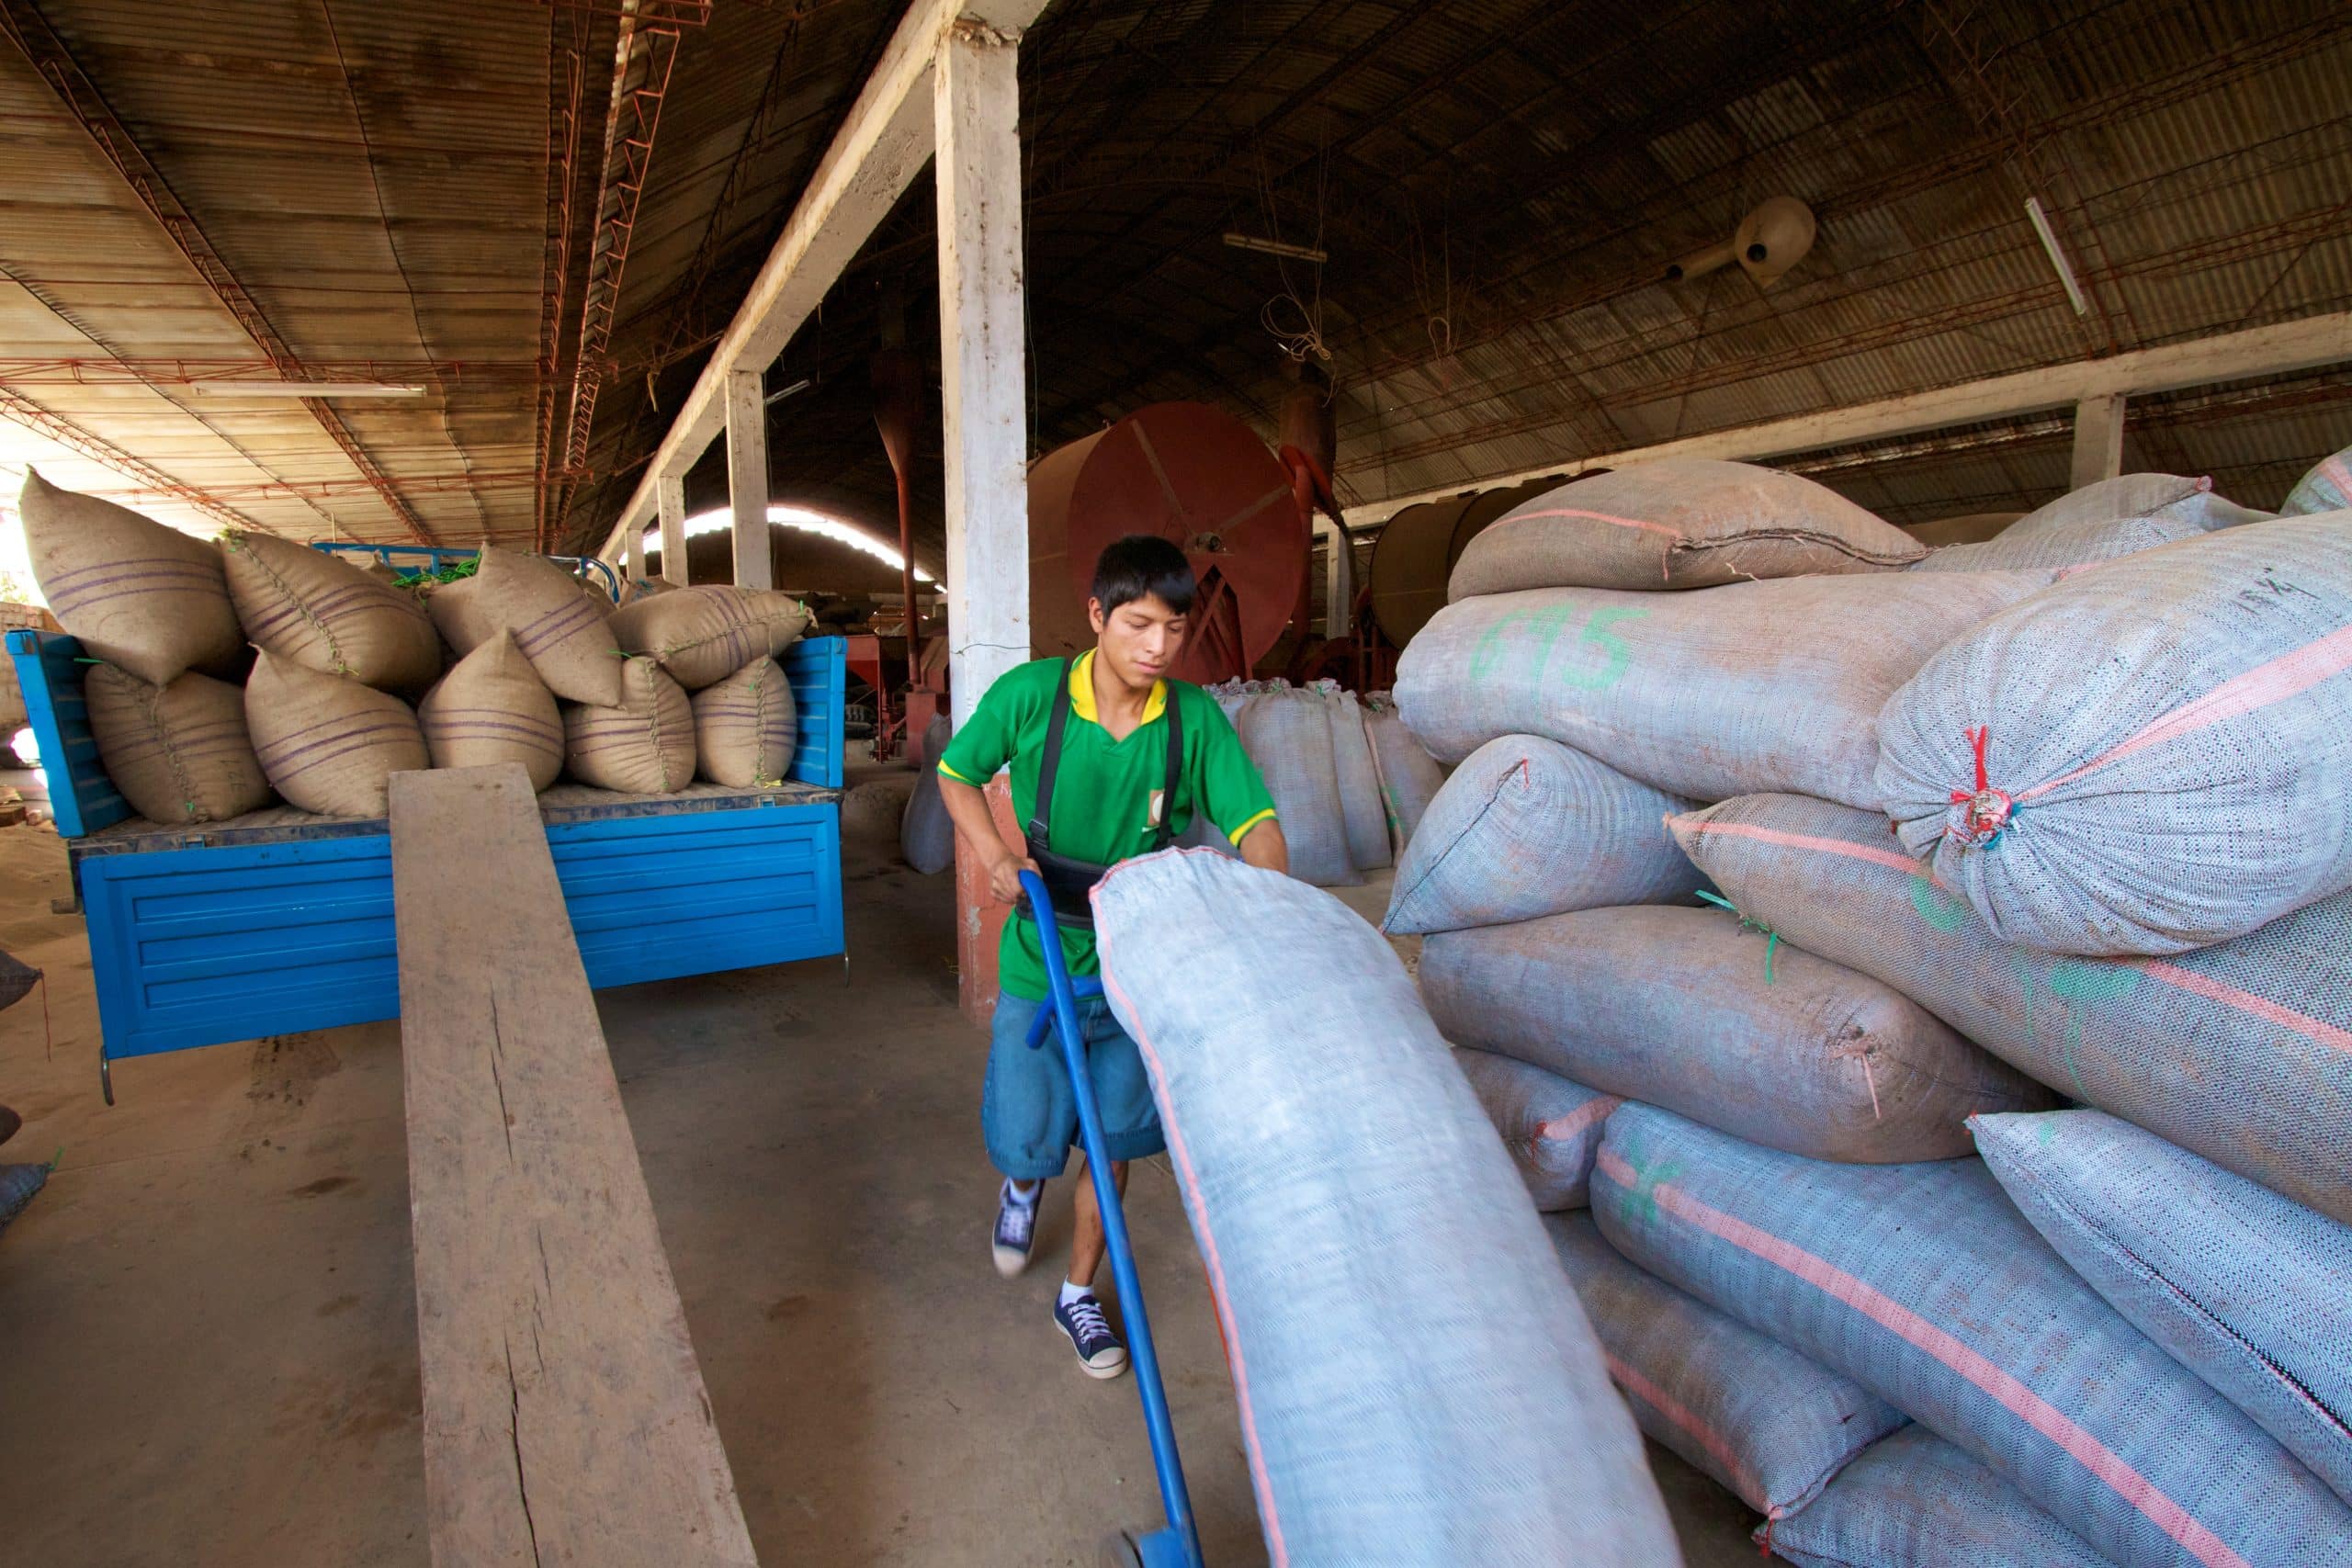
<point>1771,937</point>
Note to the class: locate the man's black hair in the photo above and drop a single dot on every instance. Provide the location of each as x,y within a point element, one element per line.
<point>1141,565</point>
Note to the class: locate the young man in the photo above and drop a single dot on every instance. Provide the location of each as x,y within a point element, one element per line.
<point>1108,759</point>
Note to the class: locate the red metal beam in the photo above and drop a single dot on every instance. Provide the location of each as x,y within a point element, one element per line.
<point>25,27</point>
<point>328,489</point>
<point>567,77</point>
<point>439,375</point>
<point>99,450</point>
<point>647,54</point>
<point>664,13</point>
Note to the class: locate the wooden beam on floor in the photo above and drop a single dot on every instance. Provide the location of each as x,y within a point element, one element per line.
<point>565,1417</point>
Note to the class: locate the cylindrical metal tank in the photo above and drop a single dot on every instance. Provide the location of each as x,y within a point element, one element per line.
<point>1190,473</point>
<point>1416,551</point>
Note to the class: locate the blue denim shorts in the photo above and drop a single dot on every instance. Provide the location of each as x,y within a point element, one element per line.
<point>1028,1114</point>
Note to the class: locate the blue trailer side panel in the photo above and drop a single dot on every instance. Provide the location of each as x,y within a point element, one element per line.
<point>656,898</point>
<point>817,670</point>
<point>194,947</point>
<point>200,946</point>
<point>80,794</point>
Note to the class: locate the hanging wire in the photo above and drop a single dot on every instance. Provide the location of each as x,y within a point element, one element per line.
<point>1304,339</point>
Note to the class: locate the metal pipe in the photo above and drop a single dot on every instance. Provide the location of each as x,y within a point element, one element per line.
<point>1174,1498</point>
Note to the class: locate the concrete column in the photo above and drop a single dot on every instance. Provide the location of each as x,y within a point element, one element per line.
<point>632,552</point>
<point>2099,441</point>
<point>1338,578</point>
<point>976,109</point>
<point>747,477</point>
<point>670,501</point>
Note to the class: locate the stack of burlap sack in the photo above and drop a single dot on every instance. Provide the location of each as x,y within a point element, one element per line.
<point>1933,972</point>
<point>228,674</point>
<point>1349,781</point>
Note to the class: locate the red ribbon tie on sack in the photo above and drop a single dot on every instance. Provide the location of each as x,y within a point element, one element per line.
<point>1984,811</point>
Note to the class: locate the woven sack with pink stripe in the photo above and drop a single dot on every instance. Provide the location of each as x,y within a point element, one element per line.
<point>1527,827</point>
<point>2164,499</point>
<point>2147,757</point>
<point>1759,685</point>
<point>1914,1501</point>
<point>1415,1381</point>
<point>2248,1291</point>
<point>2240,1053</point>
<point>1550,1127</point>
<point>1922,1283</point>
<point>1697,1010</point>
<point>1764,1421</point>
<point>2327,488</point>
<point>1678,522</point>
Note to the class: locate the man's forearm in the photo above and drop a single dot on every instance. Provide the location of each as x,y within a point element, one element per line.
<point>1265,846</point>
<point>975,823</point>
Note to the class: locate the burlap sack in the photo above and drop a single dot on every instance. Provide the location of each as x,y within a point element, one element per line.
<point>1728,691</point>
<point>179,754</point>
<point>2179,499</point>
<point>324,613</point>
<point>451,606</point>
<point>701,635</point>
<point>328,744</point>
<point>1968,528</point>
<point>494,708</point>
<point>558,622</point>
<point>745,729</point>
<point>1678,522</point>
<point>149,599</point>
<point>644,746</point>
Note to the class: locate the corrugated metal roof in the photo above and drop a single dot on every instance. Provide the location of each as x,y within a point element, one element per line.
<point>1498,188</point>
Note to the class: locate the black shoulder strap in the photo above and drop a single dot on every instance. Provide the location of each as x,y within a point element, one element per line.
<point>1167,834</point>
<point>1041,818</point>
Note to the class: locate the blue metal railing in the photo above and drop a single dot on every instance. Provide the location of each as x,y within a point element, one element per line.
<point>436,554</point>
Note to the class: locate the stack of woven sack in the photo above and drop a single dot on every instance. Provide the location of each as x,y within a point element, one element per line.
<point>193,725</point>
<point>186,734</point>
<point>1750,905</point>
<point>639,699</point>
<point>1350,782</point>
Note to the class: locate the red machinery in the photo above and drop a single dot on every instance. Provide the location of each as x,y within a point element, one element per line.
<point>1190,473</point>
<point>900,722</point>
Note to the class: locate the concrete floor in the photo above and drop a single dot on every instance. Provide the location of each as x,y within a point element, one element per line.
<point>208,1349</point>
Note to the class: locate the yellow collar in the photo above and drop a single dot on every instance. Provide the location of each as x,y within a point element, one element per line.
<point>1082,692</point>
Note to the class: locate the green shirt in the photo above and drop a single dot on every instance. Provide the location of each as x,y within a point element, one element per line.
<point>1106,791</point>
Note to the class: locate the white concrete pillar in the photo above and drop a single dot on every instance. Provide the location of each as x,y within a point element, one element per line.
<point>2099,441</point>
<point>632,552</point>
<point>976,101</point>
<point>747,478</point>
<point>669,504</point>
<point>1338,578</point>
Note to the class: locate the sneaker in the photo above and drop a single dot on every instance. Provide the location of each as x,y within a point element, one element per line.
<point>1016,1229</point>
<point>1099,1353</point>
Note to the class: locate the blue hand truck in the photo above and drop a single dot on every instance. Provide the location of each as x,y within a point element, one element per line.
<point>1178,1544</point>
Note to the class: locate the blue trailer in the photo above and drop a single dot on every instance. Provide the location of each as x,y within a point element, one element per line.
<point>281,921</point>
